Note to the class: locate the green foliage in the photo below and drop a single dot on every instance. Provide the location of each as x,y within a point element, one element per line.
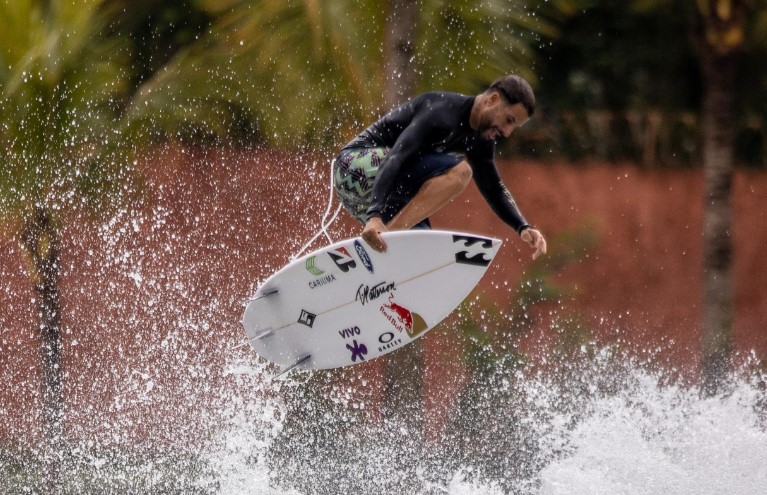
<point>478,42</point>
<point>304,68</point>
<point>61,86</point>
<point>311,73</point>
<point>609,60</point>
<point>622,82</point>
<point>154,32</point>
<point>493,332</point>
<point>192,99</point>
<point>294,74</point>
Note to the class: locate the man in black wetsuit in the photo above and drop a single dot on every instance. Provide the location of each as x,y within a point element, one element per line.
<point>422,154</point>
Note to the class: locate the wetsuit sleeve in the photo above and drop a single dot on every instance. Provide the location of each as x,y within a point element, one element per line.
<point>406,149</point>
<point>496,194</point>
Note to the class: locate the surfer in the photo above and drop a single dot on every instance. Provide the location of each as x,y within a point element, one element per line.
<point>419,156</point>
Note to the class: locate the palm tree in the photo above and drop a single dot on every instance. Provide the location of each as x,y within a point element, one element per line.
<point>720,34</point>
<point>314,72</point>
<point>719,37</point>
<point>59,91</point>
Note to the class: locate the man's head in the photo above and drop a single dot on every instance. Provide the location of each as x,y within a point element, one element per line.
<point>514,89</point>
<point>506,105</point>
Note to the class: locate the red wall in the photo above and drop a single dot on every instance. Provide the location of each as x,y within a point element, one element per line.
<point>152,301</point>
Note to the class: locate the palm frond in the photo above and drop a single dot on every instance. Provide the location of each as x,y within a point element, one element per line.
<point>59,97</point>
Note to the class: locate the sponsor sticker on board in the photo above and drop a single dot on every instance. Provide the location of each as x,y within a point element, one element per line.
<point>363,254</point>
<point>349,331</point>
<point>324,280</point>
<point>478,251</point>
<point>402,319</point>
<point>358,350</point>
<point>388,341</point>
<point>342,259</point>
<point>367,293</point>
<point>307,318</point>
<point>311,266</point>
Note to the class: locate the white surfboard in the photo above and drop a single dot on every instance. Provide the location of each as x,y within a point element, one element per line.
<point>346,303</point>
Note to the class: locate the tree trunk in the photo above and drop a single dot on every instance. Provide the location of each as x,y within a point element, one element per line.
<point>718,142</point>
<point>41,242</point>
<point>403,376</point>
<point>399,52</point>
<point>719,36</point>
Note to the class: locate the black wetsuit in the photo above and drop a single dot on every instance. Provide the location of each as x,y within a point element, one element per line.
<point>429,123</point>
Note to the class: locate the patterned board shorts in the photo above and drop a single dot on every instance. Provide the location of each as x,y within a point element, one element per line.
<point>355,171</point>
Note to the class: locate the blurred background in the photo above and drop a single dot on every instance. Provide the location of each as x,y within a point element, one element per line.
<point>161,159</point>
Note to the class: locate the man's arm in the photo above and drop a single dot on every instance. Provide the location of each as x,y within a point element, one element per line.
<point>496,194</point>
<point>501,201</point>
<point>405,150</point>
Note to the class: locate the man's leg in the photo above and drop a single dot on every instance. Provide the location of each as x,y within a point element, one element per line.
<point>433,195</point>
<point>354,173</point>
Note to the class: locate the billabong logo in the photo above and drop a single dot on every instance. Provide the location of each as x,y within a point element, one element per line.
<point>479,255</point>
<point>342,259</point>
<point>311,266</point>
<point>363,254</point>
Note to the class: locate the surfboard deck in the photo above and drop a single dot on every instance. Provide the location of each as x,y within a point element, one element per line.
<point>346,304</point>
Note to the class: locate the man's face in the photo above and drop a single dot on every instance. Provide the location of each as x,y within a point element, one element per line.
<point>499,118</point>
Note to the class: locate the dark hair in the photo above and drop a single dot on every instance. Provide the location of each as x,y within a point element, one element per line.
<point>514,89</point>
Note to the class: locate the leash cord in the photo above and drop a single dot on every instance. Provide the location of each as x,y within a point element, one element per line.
<point>323,224</point>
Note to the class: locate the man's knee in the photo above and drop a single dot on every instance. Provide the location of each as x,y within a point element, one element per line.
<point>460,175</point>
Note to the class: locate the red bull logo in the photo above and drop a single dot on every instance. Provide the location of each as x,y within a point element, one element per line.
<point>402,318</point>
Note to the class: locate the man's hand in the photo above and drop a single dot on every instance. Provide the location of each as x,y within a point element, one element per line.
<point>372,234</point>
<point>536,241</point>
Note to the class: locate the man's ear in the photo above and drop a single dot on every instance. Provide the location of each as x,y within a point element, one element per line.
<point>492,98</point>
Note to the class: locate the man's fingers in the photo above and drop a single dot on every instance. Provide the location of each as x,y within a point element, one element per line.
<point>379,245</point>
<point>536,241</point>
<point>374,240</point>
<point>540,247</point>
<point>538,251</point>
<point>371,234</point>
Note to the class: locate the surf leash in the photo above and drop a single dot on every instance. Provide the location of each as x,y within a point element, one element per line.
<point>324,223</point>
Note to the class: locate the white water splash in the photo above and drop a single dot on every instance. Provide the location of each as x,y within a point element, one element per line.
<point>640,439</point>
<point>665,440</point>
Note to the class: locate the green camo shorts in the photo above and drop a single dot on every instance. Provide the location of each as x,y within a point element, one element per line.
<point>355,171</point>
<point>354,174</point>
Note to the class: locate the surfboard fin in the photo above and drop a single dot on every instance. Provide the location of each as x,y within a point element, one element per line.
<point>266,293</point>
<point>266,332</point>
<point>300,360</point>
